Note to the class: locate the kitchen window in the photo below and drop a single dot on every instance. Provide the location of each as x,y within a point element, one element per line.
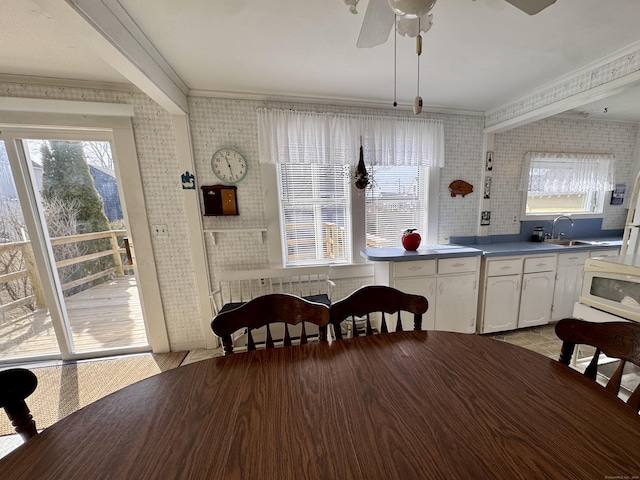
<point>566,183</point>
<point>398,199</point>
<point>315,213</point>
<point>321,217</point>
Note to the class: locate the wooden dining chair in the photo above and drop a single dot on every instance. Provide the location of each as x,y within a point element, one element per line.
<point>619,340</point>
<point>16,385</point>
<point>376,299</point>
<point>266,310</point>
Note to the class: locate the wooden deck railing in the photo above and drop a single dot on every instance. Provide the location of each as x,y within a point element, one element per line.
<point>28,266</point>
<point>333,242</point>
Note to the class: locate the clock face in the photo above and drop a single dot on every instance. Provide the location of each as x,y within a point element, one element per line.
<point>228,165</point>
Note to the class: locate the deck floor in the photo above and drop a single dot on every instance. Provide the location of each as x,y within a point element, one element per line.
<point>103,317</point>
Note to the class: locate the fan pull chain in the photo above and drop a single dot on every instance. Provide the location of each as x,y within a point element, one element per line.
<point>417,102</point>
<point>395,61</point>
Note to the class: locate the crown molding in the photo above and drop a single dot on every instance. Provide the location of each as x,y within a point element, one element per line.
<point>340,102</point>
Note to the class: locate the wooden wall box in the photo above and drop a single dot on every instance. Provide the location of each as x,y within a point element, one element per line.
<point>220,200</point>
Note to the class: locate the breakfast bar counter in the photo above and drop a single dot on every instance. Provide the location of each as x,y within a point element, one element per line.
<point>425,252</point>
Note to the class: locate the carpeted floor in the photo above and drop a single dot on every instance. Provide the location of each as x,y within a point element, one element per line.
<point>63,389</point>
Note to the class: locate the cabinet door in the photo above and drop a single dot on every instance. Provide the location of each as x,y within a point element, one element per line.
<point>456,303</point>
<point>567,291</point>
<point>425,286</point>
<point>536,298</point>
<point>501,302</point>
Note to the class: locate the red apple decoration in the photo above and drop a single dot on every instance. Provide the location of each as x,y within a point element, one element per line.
<point>411,239</point>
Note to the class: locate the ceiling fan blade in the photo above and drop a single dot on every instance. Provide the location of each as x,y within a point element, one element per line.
<point>531,6</point>
<point>378,22</point>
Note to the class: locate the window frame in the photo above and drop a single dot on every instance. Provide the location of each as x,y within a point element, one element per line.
<point>357,210</point>
<point>600,199</point>
<point>315,204</point>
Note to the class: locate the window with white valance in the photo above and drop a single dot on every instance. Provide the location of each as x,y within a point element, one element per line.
<point>328,138</point>
<point>569,183</point>
<point>315,155</point>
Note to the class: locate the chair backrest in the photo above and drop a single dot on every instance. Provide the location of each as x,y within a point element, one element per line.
<point>16,384</point>
<point>268,309</point>
<point>244,285</point>
<point>614,339</point>
<point>380,299</point>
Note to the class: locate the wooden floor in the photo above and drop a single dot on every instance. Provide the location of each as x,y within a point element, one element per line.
<point>104,317</point>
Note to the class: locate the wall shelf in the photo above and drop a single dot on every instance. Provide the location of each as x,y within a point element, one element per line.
<point>215,231</point>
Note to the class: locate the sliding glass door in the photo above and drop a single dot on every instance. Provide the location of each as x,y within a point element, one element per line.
<point>68,287</point>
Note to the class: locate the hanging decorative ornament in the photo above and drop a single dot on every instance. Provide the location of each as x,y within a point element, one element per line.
<point>362,176</point>
<point>417,102</point>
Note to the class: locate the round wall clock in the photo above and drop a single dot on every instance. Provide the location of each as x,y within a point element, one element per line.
<point>228,165</point>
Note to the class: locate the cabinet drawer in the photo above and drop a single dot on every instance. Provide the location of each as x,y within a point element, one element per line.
<point>539,264</point>
<point>457,265</point>
<point>575,258</point>
<point>504,267</point>
<point>604,253</point>
<point>414,268</point>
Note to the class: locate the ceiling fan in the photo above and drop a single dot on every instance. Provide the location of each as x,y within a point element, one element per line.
<point>412,17</point>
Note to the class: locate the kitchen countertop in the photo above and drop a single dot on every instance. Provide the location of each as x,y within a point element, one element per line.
<point>532,248</point>
<point>426,252</point>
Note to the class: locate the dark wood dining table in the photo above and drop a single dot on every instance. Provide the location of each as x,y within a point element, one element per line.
<point>412,405</point>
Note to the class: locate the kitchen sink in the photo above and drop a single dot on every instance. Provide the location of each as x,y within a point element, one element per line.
<point>564,242</point>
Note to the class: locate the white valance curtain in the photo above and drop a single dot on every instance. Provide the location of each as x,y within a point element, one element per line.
<point>330,138</point>
<point>567,173</point>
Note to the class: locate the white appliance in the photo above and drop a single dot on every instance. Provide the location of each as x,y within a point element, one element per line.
<point>630,243</point>
<point>612,285</point>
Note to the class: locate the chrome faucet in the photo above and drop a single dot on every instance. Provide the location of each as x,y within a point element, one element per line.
<point>553,227</point>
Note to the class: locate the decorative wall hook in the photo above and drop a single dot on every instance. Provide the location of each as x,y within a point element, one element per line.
<point>188,181</point>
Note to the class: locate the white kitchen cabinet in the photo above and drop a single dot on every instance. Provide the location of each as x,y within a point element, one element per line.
<point>457,294</point>
<point>536,298</point>
<point>568,283</point>
<point>456,303</point>
<point>501,303</point>
<point>516,292</point>
<point>450,285</point>
<point>500,299</point>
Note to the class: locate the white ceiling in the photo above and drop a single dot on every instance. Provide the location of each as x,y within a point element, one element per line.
<point>478,55</point>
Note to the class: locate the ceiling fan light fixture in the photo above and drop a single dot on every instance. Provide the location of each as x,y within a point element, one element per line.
<point>412,27</point>
<point>411,8</point>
